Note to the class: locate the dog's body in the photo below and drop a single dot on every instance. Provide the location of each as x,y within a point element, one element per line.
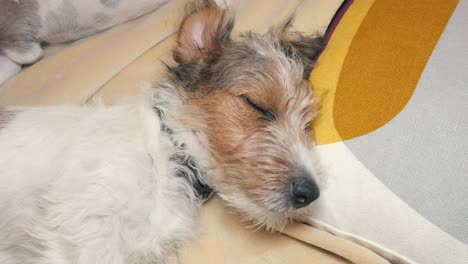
<point>25,24</point>
<point>98,184</point>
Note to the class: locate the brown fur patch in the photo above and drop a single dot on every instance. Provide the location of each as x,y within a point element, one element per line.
<point>254,153</point>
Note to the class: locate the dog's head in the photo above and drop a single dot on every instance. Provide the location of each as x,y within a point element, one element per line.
<point>250,100</point>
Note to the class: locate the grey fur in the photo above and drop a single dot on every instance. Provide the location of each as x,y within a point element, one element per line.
<point>63,23</point>
<point>19,24</point>
<point>229,60</point>
<point>102,18</point>
<point>110,3</point>
<point>62,20</point>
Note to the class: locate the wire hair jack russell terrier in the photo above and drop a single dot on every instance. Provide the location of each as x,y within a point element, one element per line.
<point>124,183</point>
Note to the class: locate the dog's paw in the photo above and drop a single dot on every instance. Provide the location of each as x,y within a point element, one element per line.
<point>25,53</point>
<point>8,69</point>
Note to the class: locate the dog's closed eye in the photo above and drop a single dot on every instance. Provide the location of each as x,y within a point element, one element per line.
<point>261,110</point>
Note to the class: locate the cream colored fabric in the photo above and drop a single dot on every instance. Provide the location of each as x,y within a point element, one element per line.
<point>226,239</point>
<point>116,63</point>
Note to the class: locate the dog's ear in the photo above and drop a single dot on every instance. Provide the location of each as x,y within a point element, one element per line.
<point>203,32</point>
<point>301,47</point>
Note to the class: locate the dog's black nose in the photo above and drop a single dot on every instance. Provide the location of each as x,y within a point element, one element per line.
<point>304,191</point>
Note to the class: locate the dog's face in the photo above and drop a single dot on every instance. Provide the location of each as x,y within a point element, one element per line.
<point>250,100</point>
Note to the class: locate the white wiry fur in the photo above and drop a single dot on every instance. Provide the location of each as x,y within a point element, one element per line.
<point>91,184</point>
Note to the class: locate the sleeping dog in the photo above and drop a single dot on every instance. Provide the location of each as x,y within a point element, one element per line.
<point>123,184</point>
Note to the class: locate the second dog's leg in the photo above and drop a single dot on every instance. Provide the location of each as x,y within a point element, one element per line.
<point>25,53</point>
<point>8,69</point>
